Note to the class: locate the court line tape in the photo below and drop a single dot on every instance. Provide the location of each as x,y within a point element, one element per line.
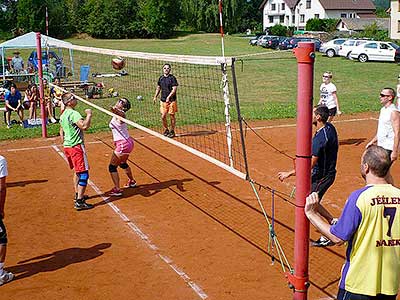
<point>196,288</point>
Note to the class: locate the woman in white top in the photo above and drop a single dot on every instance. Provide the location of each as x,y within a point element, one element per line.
<point>328,96</point>
<point>123,147</point>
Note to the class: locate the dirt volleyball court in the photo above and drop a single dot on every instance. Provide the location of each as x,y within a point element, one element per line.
<point>190,230</point>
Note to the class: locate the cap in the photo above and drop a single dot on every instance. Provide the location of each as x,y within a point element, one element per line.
<point>16,52</point>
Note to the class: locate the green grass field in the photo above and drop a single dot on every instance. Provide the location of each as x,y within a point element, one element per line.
<point>267,83</point>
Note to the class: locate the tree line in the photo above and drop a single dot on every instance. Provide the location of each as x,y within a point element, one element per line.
<point>115,19</point>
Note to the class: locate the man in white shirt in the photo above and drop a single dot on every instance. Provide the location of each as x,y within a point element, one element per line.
<point>387,135</point>
<point>328,96</point>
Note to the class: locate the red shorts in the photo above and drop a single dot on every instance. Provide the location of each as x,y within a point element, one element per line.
<point>123,146</point>
<point>77,158</point>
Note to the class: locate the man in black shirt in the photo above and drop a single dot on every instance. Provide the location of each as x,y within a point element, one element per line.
<point>325,147</point>
<point>168,85</point>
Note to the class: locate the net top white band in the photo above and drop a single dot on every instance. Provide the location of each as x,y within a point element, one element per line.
<point>199,60</point>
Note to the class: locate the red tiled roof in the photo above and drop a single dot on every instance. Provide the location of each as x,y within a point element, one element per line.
<point>348,4</point>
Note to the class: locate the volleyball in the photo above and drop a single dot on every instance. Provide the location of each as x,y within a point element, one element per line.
<point>118,63</point>
<point>139,98</point>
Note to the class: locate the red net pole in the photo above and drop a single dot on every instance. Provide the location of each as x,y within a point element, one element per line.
<point>41,91</point>
<point>305,77</point>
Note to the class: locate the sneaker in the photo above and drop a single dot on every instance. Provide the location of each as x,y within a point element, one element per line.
<point>115,192</point>
<point>171,134</point>
<point>9,125</point>
<point>130,184</point>
<point>6,277</point>
<point>81,204</point>
<point>322,242</point>
<point>166,132</point>
<point>52,120</point>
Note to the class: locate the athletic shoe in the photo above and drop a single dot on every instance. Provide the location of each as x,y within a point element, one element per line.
<point>322,242</point>
<point>166,132</point>
<point>52,120</point>
<point>82,205</point>
<point>130,184</point>
<point>115,192</point>
<point>171,134</point>
<point>8,125</point>
<point>6,277</point>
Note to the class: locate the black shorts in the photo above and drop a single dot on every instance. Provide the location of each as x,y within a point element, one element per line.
<point>332,111</point>
<point>344,295</point>
<point>321,185</point>
<point>3,233</point>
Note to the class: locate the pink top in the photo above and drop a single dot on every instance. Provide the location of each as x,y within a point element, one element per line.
<point>119,129</point>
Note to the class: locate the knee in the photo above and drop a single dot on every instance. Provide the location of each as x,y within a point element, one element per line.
<point>83,178</point>
<point>112,168</point>
<point>124,166</point>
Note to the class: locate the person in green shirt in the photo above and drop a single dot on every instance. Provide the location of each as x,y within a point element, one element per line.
<point>71,132</point>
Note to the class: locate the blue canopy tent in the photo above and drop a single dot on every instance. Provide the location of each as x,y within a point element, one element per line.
<point>28,40</point>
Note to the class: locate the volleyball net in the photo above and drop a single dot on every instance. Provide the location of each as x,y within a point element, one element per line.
<point>208,121</point>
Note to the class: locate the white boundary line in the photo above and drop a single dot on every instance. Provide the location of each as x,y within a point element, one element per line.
<point>197,289</point>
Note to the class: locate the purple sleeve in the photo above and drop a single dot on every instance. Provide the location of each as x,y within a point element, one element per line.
<point>350,219</point>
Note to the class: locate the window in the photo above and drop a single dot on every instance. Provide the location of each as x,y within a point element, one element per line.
<point>294,20</point>
<point>371,46</point>
<point>273,6</point>
<point>281,19</point>
<point>271,19</point>
<point>283,6</point>
<point>398,25</point>
<point>316,16</point>
<point>343,15</point>
<point>302,18</point>
<point>398,4</point>
<point>384,46</point>
<point>308,3</point>
<point>343,26</point>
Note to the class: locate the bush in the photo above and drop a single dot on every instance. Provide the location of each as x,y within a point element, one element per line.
<point>279,30</point>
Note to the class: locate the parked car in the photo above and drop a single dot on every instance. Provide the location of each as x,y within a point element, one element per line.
<point>254,40</point>
<point>273,43</point>
<point>291,43</point>
<point>266,42</point>
<point>374,50</point>
<point>347,46</point>
<point>397,55</point>
<point>33,62</point>
<point>331,48</point>
<point>263,40</point>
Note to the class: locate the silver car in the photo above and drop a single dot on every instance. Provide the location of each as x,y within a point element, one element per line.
<point>331,48</point>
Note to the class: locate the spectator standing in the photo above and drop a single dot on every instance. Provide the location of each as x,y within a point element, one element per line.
<point>4,275</point>
<point>387,135</point>
<point>17,63</point>
<point>71,132</point>
<point>13,101</point>
<point>328,96</point>
<point>370,224</point>
<point>325,146</point>
<point>167,85</point>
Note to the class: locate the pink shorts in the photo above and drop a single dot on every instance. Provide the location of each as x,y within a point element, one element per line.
<point>77,158</point>
<point>123,146</point>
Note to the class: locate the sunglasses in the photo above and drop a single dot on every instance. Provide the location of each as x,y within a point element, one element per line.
<point>383,95</point>
<point>326,76</point>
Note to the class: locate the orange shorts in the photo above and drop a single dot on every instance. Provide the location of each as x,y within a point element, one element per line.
<point>168,107</point>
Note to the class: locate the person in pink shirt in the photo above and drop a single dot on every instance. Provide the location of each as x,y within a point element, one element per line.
<point>123,147</point>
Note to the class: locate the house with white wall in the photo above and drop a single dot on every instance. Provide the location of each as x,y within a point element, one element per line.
<point>298,12</point>
<point>394,31</point>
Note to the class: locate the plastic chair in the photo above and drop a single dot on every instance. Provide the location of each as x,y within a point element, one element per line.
<point>84,73</point>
